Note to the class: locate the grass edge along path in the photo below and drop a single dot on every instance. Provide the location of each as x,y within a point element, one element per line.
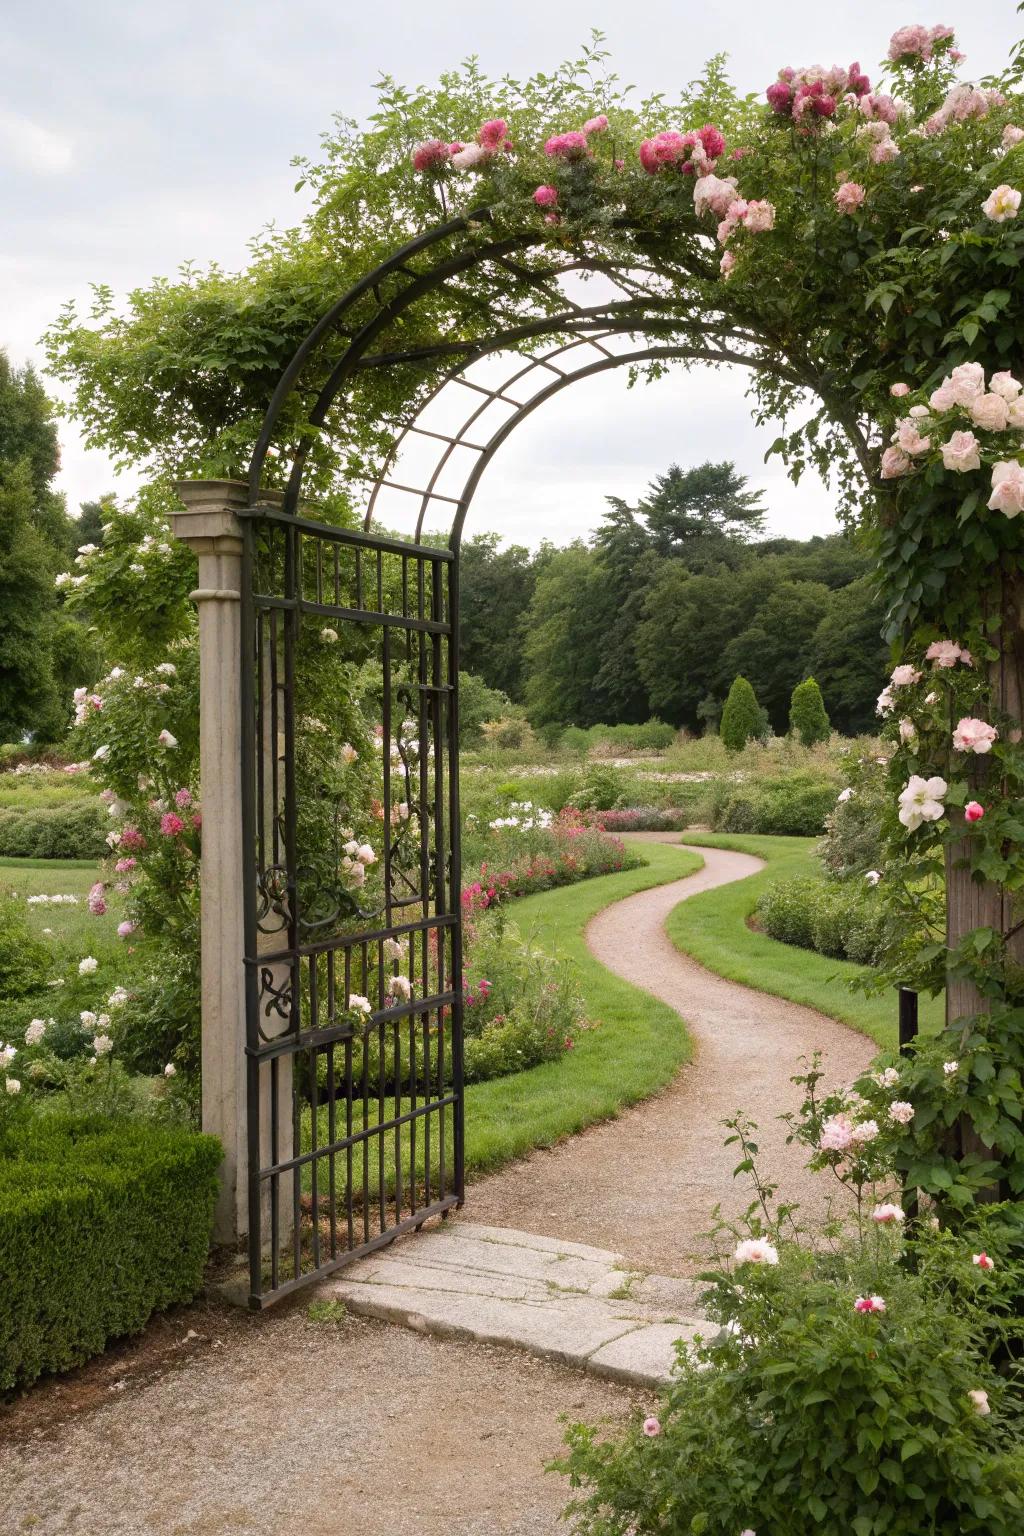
<point>712,928</point>
<point>636,1048</point>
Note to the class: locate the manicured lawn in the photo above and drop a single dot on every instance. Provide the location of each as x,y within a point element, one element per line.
<point>20,878</point>
<point>636,1047</point>
<point>712,927</point>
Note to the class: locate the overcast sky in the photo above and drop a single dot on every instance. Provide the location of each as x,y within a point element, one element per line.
<point>136,135</point>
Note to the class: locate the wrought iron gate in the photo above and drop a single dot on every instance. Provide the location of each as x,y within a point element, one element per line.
<point>353,948</point>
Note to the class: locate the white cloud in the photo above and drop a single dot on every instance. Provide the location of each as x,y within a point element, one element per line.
<point>31,146</point>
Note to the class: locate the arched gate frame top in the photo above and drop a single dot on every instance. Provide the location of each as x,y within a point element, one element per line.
<point>528,357</point>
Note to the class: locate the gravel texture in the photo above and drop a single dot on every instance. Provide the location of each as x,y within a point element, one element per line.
<point>646,1183</point>
<point>286,1427</point>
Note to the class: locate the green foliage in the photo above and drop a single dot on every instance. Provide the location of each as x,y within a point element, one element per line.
<point>522,1005</point>
<point>24,960</point>
<point>101,1224</point>
<point>477,705</point>
<point>785,910</point>
<point>805,1415</point>
<point>807,716</point>
<point>74,831</point>
<point>794,805</point>
<point>742,717</point>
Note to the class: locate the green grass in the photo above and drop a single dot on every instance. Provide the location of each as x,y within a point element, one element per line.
<point>635,1048</point>
<point>20,878</point>
<point>712,927</point>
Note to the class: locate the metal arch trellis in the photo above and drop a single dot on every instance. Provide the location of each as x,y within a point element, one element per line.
<point>354,1007</point>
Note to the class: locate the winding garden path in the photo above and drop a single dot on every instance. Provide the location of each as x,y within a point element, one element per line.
<point>645,1184</point>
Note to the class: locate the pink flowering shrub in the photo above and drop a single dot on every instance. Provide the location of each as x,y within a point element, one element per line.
<point>521,860</point>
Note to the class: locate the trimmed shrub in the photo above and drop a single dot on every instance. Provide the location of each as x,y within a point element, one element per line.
<point>807,716</point>
<point>793,806</point>
<point>831,916</point>
<point>786,911</point>
<point>643,819</point>
<point>101,1223</point>
<point>76,831</point>
<point>742,717</point>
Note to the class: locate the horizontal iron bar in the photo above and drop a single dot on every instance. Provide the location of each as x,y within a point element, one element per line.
<point>315,1039</point>
<point>332,535</point>
<point>354,615</point>
<point>353,940</point>
<point>436,1208</point>
<point>381,1128</point>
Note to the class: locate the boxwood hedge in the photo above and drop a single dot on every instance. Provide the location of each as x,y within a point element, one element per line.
<point>74,831</point>
<point>101,1223</point>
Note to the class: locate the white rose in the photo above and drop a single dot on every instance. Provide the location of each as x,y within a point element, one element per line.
<point>990,412</point>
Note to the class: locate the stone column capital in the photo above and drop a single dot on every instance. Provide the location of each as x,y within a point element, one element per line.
<point>208,522</point>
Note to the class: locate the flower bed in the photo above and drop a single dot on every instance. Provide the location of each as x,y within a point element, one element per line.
<point>643,819</point>
<point>101,1224</point>
<point>540,854</point>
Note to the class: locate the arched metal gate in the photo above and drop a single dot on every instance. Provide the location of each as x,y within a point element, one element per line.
<point>354,1013</point>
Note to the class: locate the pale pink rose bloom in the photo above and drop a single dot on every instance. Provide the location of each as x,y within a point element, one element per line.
<point>979,1401</point>
<point>908,731</point>
<point>943,398</point>
<point>1012,136</point>
<point>869,1304</point>
<point>910,440</point>
<point>973,735</point>
<point>756,1250</point>
<point>883,151</point>
<point>895,463</point>
<point>1007,488</point>
<point>990,412</point>
<point>982,1260</point>
<point>470,158</point>
<point>727,263</point>
<point>961,453</point>
<point>886,1214</point>
<point>760,215</point>
<point>886,703</point>
<point>1015,418</point>
<point>848,197</point>
<point>837,1134</point>
<point>896,389</point>
<point>914,42</point>
<point>967,383</point>
<point>1001,204</point>
<point>920,413</point>
<point>1005,384</point>
<point>652,1427</point>
<point>901,1111</point>
<point>944,653</point>
<point>904,675</point>
<point>921,800</point>
<point>715,194</point>
<point>863,1132</point>
<point>596,124</point>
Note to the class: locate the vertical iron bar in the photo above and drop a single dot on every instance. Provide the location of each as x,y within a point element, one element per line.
<point>455,877</point>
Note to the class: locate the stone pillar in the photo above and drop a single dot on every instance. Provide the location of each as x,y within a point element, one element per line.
<point>208,525</point>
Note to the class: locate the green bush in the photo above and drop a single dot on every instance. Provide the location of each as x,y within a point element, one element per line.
<point>844,920</point>
<point>806,1417</point>
<point>786,911</point>
<point>743,718</point>
<point>101,1223</point>
<point>831,918</point>
<point>807,716</point>
<point>794,805</point>
<point>75,831</point>
<point>24,959</point>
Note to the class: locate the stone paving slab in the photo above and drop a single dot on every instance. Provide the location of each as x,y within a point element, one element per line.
<point>568,1302</point>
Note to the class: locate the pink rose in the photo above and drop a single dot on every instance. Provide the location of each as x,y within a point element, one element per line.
<point>727,263</point>
<point>568,146</point>
<point>760,216</point>
<point>944,653</point>
<point>903,676</point>
<point>652,1427</point>
<point>546,197</point>
<point>432,155</point>
<point>596,124</point>
<point>973,735</point>
<point>848,197</point>
<point>899,389</point>
<point>493,134</point>
<point>125,930</point>
<point>1007,488</point>
<point>895,463</point>
<point>961,453</point>
<point>1012,136</point>
<point>1006,385</point>
<point>973,811</point>
<point>883,151</point>
<point>471,158</point>
<point>990,412</point>
<point>171,825</point>
<point>910,439</point>
<point>715,194</point>
<point>967,383</point>
<point>869,1304</point>
<point>943,398</point>
<point>910,45</point>
<point>1015,418</point>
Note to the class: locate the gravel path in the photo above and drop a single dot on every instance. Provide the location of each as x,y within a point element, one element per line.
<point>645,1184</point>
<point>277,1426</point>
